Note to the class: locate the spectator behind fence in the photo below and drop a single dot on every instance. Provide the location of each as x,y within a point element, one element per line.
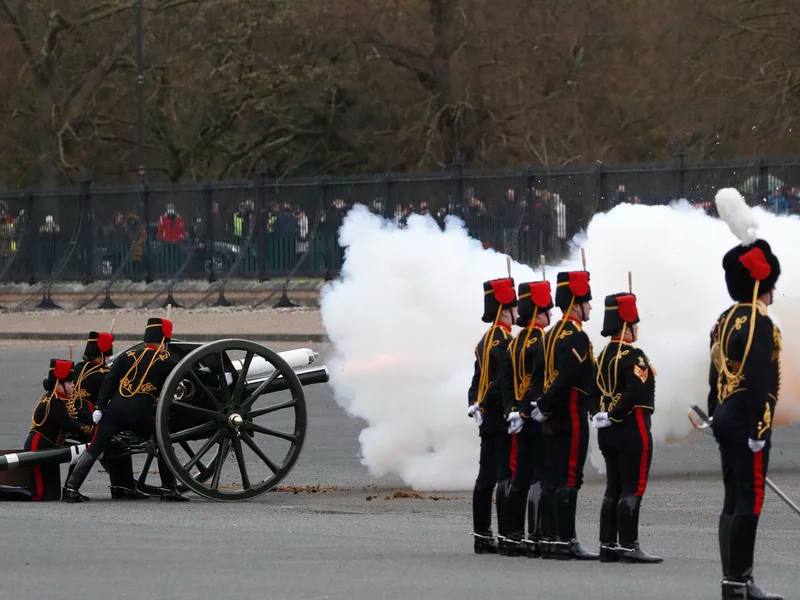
<point>136,238</point>
<point>8,243</point>
<point>171,231</point>
<point>50,234</point>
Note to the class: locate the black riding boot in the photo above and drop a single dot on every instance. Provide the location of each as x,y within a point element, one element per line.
<point>69,474</point>
<point>485,542</point>
<point>567,546</point>
<point>628,522</point>
<point>516,522</point>
<point>505,545</point>
<point>120,473</point>
<point>169,491</point>
<point>740,584</point>
<point>549,527</point>
<point>608,530</point>
<point>725,523</point>
<point>76,479</point>
<point>532,547</point>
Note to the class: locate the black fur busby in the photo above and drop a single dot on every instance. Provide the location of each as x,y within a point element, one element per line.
<point>620,309</point>
<point>60,370</point>
<point>99,345</point>
<point>533,295</point>
<point>497,293</point>
<point>572,287</point>
<point>744,265</point>
<point>158,330</point>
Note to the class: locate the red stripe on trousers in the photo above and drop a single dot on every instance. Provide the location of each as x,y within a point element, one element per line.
<point>758,480</point>
<point>37,472</point>
<point>645,452</point>
<point>513,458</point>
<point>575,440</point>
<point>94,435</point>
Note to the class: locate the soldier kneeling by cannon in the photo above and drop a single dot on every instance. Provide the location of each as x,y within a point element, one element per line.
<point>126,403</point>
<point>55,419</point>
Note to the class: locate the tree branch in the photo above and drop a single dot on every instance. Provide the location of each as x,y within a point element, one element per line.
<point>18,29</point>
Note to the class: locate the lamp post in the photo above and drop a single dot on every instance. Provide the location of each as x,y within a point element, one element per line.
<point>140,92</point>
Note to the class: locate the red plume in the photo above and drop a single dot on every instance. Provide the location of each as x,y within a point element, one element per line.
<point>62,369</point>
<point>166,328</point>
<point>579,282</point>
<point>105,341</point>
<point>627,308</point>
<point>540,293</point>
<point>755,262</point>
<point>504,290</point>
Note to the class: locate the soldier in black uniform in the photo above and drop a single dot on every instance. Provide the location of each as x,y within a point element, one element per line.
<point>522,386</point>
<point>569,387</point>
<point>486,407</point>
<point>89,376</point>
<point>744,383</point>
<point>55,419</point>
<point>126,403</point>
<point>627,388</point>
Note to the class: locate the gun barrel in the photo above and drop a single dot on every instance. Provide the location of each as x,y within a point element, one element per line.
<point>19,460</point>
<point>297,359</point>
<point>310,376</point>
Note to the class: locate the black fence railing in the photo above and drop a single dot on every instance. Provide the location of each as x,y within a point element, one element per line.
<point>262,228</point>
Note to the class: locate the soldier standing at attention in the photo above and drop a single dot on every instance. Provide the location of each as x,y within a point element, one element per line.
<point>127,401</point>
<point>55,419</point>
<point>569,387</point>
<point>89,376</point>
<point>626,382</point>
<point>486,407</point>
<point>744,382</point>
<point>522,386</point>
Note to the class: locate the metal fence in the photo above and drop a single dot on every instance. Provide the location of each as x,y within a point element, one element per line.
<point>267,229</point>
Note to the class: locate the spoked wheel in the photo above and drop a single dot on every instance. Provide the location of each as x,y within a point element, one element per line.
<point>203,472</point>
<point>223,401</point>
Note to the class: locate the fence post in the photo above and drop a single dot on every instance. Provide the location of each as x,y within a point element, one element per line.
<point>208,194</point>
<point>260,213</point>
<point>680,172</point>
<point>30,250</point>
<point>90,236</point>
<point>144,194</point>
<point>601,181</point>
<point>457,176</point>
<point>388,205</point>
<point>763,183</point>
<point>531,237</point>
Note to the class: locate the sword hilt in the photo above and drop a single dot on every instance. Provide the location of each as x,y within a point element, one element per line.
<point>700,413</point>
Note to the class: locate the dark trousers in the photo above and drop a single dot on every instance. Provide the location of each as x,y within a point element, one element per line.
<point>532,486</point>
<point>566,447</point>
<point>744,473</point>
<point>494,467</point>
<point>627,448</point>
<point>131,415</point>
<point>47,477</point>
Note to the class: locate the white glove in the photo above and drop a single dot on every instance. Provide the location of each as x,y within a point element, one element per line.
<point>475,412</point>
<point>96,416</point>
<point>538,416</point>
<point>601,420</point>
<point>756,445</point>
<point>514,422</point>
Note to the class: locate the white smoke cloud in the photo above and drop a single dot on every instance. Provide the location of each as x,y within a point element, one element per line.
<point>405,317</point>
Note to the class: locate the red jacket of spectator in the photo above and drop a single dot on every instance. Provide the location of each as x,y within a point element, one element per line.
<point>170,230</point>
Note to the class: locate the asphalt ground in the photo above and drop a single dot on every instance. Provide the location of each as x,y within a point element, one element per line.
<point>356,536</point>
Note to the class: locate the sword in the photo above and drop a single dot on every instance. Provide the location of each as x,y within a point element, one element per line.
<point>705,428</point>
